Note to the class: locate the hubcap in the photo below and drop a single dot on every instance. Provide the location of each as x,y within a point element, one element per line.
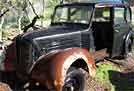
<point>72,84</point>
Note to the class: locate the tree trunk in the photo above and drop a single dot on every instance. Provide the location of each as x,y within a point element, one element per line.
<point>19,22</point>
<point>132,8</point>
<point>44,4</point>
<point>1,25</point>
<point>132,2</point>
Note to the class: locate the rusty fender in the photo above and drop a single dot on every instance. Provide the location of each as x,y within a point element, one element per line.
<point>50,70</point>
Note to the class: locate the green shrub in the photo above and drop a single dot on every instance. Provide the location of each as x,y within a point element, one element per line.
<point>103,74</point>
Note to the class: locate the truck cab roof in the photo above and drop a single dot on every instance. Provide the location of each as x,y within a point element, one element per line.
<point>98,3</point>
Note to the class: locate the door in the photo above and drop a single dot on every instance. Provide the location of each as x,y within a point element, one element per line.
<point>121,28</point>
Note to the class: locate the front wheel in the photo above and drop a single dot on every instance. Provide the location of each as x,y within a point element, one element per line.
<point>76,80</point>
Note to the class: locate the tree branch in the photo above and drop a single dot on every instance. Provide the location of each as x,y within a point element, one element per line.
<point>32,8</point>
<point>33,20</point>
<point>61,1</point>
<point>4,13</point>
<point>31,24</point>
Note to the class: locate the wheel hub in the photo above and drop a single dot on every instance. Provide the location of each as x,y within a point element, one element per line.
<point>71,85</point>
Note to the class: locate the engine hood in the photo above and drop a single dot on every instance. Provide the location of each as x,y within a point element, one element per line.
<point>30,46</point>
<point>52,30</point>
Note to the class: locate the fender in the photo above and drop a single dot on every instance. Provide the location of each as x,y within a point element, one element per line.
<point>50,70</point>
<point>10,57</point>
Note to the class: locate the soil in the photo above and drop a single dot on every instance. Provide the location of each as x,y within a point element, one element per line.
<point>4,87</point>
<point>95,85</point>
<point>123,80</point>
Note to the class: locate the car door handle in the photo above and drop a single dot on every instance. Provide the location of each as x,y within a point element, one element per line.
<point>117,31</point>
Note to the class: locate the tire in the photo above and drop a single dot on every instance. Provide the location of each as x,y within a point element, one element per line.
<point>128,48</point>
<point>76,80</point>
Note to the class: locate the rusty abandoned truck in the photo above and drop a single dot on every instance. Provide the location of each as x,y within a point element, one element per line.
<point>62,56</point>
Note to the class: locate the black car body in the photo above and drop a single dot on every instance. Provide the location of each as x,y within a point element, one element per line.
<point>104,29</point>
<point>104,26</point>
<point>93,26</point>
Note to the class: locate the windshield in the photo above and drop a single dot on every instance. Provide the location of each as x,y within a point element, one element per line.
<point>72,14</point>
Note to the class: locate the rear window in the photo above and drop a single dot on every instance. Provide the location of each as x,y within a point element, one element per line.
<point>119,15</point>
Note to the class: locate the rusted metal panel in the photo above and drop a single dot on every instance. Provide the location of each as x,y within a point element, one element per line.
<point>8,64</point>
<point>50,70</point>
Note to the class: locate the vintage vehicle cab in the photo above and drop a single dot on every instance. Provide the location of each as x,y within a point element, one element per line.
<point>61,56</point>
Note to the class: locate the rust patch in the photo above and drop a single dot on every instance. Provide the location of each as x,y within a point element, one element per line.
<point>51,69</point>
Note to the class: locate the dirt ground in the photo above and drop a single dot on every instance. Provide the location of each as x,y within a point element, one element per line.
<point>123,80</point>
<point>4,87</point>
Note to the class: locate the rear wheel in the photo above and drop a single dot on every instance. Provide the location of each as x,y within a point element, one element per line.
<point>76,80</point>
<point>129,48</point>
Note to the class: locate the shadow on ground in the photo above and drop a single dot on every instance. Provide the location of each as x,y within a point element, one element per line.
<point>122,81</point>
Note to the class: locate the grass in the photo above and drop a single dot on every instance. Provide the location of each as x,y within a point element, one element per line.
<point>110,74</point>
<point>103,74</point>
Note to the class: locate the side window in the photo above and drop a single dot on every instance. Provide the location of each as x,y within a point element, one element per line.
<point>119,15</point>
<point>127,13</point>
<point>102,15</point>
<point>79,15</point>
